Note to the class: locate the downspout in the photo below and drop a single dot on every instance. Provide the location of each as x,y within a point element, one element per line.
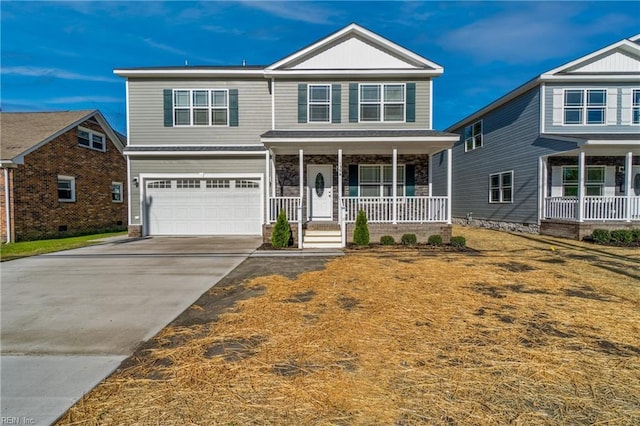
<point>7,200</point>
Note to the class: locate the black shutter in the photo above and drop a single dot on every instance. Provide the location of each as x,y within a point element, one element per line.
<point>302,103</point>
<point>336,99</point>
<point>353,180</point>
<point>168,107</point>
<point>411,102</point>
<point>353,102</point>
<point>233,108</point>
<point>410,179</point>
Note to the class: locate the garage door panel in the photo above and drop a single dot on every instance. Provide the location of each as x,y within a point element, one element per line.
<point>216,207</point>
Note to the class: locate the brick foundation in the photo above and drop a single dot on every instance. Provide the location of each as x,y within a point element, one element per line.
<point>580,230</point>
<point>267,230</point>
<point>135,231</point>
<point>422,230</point>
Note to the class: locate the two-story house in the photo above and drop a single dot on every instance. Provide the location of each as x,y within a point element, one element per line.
<point>559,155</point>
<point>341,125</point>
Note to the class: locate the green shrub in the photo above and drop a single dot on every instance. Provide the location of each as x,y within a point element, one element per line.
<point>434,240</point>
<point>459,241</point>
<point>622,236</point>
<point>361,231</point>
<point>281,231</point>
<point>601,236</point>
<point>409,239</point>
<point>387,240</point>
<point>636,235</point>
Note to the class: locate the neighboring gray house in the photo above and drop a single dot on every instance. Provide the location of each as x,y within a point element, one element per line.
<point>341,125</point>
<point>559,155</point>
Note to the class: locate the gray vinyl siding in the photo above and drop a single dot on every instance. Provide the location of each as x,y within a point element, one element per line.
<point>177,165</point>
<point>511,142</point>
<point>286,106</point>
<point>146,112</point>
<point>602,128</point>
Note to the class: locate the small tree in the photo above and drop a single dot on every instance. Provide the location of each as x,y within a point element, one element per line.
<point>361,232</point>
<point>281,231</point>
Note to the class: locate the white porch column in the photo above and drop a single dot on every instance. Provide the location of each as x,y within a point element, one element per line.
<point>542,187</point>
<point>267,185</point>
<point>301,176</point>
<point>274,176</point>
<point>430,172</point>
<point>581,188</point>
<point>340,185</point>
<point>628,168</point>
<point>449,184</point>
<point>394,181</point>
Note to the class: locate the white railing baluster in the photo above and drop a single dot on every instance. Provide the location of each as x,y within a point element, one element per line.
<point>410,209</point>
<point>595,208</point>
<point>290,205</point>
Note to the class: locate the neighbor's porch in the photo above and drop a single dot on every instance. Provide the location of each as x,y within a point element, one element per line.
<point>322,191</point>
<point>590,189</point>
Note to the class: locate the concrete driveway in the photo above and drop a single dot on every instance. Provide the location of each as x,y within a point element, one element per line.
<point>70,318</point>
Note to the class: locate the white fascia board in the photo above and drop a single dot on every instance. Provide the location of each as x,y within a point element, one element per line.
<point>355,28</point>
<point>188,73</point>
<point>631,45</point>
<point>354,73</point>
<point>591,78</point>
<point>9,164</point>
<point>372,139</point>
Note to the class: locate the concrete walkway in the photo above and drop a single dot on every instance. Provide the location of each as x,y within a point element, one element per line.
<point>70,318</point>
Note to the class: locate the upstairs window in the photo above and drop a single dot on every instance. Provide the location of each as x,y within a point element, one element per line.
<point>585,106</point>
<point>201,107</point>
<point>91,139</point>
<point>501,187</point>
<point>636,106</point>
<point>594,181</point>
<point>473,136</point>
<point>382,102</point>
<point>319,103</point>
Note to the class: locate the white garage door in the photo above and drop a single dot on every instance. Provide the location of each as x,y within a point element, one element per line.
<point>203,207</point>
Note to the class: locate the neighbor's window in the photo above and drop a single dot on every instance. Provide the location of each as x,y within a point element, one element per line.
<point>636,106</point>
<point>377,180</point>
<point>319,103</point>
<point>382,102</point>
<point>116,192</point>
<point>594,181</point>
<point>66,189</point>
<point>501,187</point>
<point>585,106</point>
<point>201,107</point>
<point>473,136</point>
<point>91,139</point>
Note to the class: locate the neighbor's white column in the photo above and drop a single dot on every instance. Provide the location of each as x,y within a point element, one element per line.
<point>301,176</point>
<point>628,168</point>
<point>340,185</point>
<point>430,172</point>
<point>394,181</point>
<point>274,176</point>
<point>581,173</point>
<point>267,186</point>
<point>449,183</point>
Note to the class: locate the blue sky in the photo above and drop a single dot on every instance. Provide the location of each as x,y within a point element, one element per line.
<point>61,55</point>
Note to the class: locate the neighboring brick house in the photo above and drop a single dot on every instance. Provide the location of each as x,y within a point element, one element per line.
<point>63,173</point>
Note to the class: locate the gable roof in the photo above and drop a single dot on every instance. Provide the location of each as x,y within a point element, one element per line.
<point>24,132</point>
<point>354,48</point>
<point>619,61</point>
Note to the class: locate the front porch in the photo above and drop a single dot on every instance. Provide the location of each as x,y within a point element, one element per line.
<point>590,189</point>
<point>321,185</point>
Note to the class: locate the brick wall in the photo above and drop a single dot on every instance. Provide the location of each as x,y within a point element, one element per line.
<point>422,231</point>
<point>38,213</point>
<point>578,231</point>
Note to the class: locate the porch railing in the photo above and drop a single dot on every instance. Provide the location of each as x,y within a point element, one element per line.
<point>593,208</point>
<point>408,209</point>
<point>290,205</point>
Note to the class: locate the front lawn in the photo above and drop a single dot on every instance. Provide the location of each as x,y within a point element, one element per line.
<point>520,330</point>
<point>31,248</point>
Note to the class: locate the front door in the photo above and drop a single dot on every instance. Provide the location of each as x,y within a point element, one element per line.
<point>320,190</point>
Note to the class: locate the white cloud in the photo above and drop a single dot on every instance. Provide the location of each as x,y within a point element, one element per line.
<point>27,71</point>
<point>295,11</point>
<point>164,47</point>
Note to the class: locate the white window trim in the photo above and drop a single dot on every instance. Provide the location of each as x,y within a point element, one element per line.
<point>634,106</point>
<point>500,188</point>
<point>309,103</point>
<point>93,133</point>
<point>472,125</point>
<point>601,184</point>
<point>585,107</point>
<point>72,180</point>
<point>382,102</point>
<point>381,185</point>
<point>191,107</point>
<point>121,200</point>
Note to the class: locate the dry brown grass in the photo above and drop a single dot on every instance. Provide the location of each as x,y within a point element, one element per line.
<point>530,330</point>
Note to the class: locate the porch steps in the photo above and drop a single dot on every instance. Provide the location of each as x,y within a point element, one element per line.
<point>322,238</point>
